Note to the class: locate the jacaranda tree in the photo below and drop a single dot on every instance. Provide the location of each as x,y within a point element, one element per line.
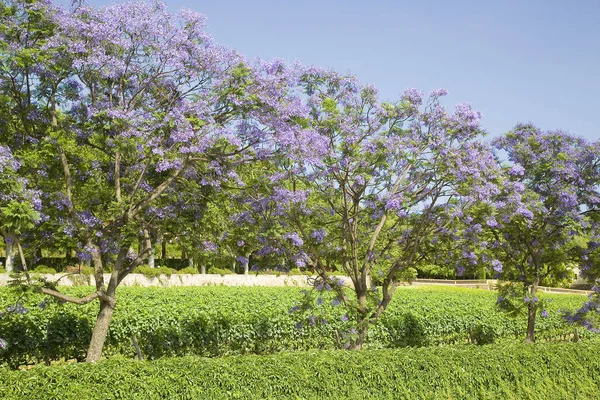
<point>130,101</point>
<point>540,224</point>
<point>388,176</point>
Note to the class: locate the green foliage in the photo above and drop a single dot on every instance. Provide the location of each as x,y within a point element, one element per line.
<point>219,271</point>
<point>219,320</point>
<point>42,269</point>
<point>432,271</point>
<point>17,217</point>
<point>154,272</point>
<point>569,370</point>
<point>378,274</point>
<point>187,270</point>
<point>296,271</point>
<point>483,334</point>
<point>80,269</point>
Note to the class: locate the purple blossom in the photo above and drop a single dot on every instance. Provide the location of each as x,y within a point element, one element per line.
<point>17,309</point>
<point>413,96</point>
<point>516,170</point>
<point>319,235</point>
<point>294,238</point>
<point>497,265</point>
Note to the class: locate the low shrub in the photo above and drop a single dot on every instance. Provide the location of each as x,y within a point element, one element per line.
<point>528,372</point>
<point>219,271</point>
<point>154,272</point>
<point>42,269</point>
<point>187,270</point>
<point>220,320</point>
<point>79,269</point>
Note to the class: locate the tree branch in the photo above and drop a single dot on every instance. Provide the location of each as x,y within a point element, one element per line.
<point>76,300</point>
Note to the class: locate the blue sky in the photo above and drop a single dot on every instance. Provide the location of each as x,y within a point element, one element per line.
<point>515,61</point>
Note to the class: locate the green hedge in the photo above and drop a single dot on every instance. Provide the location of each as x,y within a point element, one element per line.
<point>218,320</point>
<point>541,371</point>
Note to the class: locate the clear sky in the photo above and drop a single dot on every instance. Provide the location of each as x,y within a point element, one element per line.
<point>514,60</point>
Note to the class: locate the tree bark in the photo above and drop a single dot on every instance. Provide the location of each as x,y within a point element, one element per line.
<point>9,263</point>
<point>148,245</point>
<point>163,253</point>
<point>22,255</point>
<point>100,331</point>
<point>362,336</point>
<point>203,269</point>
<point>246,263</point>
<point>531,313</point>
<point>363,324</point>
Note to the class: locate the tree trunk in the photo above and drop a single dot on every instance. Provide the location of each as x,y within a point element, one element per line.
<point>363,324</point>
<point>191,262</point>
<point>245,263</point>
<point>163,251</point>
<point>151,262</point>
<point>203,269</point>
<point>148,245</point>
<point>531,313</point>
<point>358,343</point>
<point>100,330</point>
<point>9,263</point>
<point>22,255</point>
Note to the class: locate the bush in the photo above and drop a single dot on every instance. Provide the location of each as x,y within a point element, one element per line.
<point>219,271</point>
<point>187,270</point>
<point>42,269</point>
<point>483,334</point>
<point>154,272</point>
<point>531,372</point>
<point>297,271</point>
<point>431,271</point>
<point>219,320</point>
<point>80,269</point>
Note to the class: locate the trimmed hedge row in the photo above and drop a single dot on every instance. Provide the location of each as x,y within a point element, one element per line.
<point>61,263</point>
<point>217,321</point>
<point>541,371</point>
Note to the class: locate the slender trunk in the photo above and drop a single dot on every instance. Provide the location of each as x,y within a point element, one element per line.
<point>100,331</point>
<point>363,324</point>
<point>531,313</point>
<point>203,269</point>
<point>9,263</point>
<point>163,252</point>
<point>22,255</point>
<point>191,262</point>
<point>38,255</point>
<point>358,343</point>
<point>151,262</point>
<point>148,245</point>
<point>246,263</point>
